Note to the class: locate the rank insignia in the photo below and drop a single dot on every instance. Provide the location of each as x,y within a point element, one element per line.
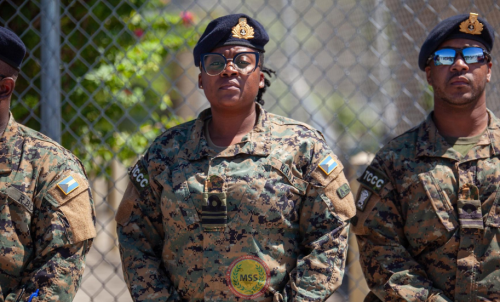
<point>242,30</point>
<point>68,185</point>
<point>214,213</point>
<point>472,25</point>
<point>328,165</point>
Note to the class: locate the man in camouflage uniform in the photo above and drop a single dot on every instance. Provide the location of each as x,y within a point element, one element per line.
<point>46,212</point>
<point>265,219</point>
<point>428,211</point>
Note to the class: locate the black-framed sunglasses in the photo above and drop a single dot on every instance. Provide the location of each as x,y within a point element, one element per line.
<point>471,55</point>
<point>244,62</point>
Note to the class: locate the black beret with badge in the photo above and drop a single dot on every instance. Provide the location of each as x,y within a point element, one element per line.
<point>236,29</point>
<point>464,26</point>
<point>12,49</point>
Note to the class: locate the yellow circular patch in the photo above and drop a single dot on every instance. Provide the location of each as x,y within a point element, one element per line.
<point>248,277</point>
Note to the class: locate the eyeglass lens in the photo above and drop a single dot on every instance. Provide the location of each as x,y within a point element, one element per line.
<point>471,55</point>
<point>245,63</point>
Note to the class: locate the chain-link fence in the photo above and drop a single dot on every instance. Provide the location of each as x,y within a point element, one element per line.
<point>104,77</point>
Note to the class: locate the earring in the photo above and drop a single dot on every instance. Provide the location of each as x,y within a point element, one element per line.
<point>201,86</point>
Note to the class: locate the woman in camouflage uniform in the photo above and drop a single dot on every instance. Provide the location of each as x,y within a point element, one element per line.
<point>240,203</point>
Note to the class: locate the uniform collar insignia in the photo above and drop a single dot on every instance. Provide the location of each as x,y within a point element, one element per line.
<point>242,30</point>
<point>472,25</point>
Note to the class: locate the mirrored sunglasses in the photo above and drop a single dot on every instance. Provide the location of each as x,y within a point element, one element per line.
<point>244,62</point>
<point>471,55</point>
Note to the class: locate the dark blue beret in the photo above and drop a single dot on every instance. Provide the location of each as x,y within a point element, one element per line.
<point>12,49</point>
<point>219,33</point>
<point>450,29</point>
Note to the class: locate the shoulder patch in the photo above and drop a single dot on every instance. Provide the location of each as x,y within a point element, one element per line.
<point>362,198</point>
<point>343,190</point>
<point>68,185</point>
<point>373,179</point>
<point>328,164</point>
<point>139,176</point>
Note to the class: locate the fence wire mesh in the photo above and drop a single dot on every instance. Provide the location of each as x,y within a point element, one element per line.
<point>126,73</point>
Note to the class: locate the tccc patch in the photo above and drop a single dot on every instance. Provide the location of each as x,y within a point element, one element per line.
<point>373,179</point>
<point>139,176</point>
<point>248,277</point>
<point>68,185</point>
<point>328,164</point>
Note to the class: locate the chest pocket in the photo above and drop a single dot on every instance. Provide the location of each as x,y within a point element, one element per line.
<point>16,240</point>
<point>281,197</point>
<point>176,205</point>
<point>440,201</point>
<point>493,219</point>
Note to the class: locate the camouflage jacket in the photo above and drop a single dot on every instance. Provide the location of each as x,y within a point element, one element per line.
<point>260,220</point>
<point>428,218</point>
<point>46,217</point>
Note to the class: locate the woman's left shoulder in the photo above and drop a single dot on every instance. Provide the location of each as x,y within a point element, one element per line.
<point>291,127</point>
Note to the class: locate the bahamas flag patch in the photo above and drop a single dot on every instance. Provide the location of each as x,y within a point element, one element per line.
<point>68,184</point>
<point>328,165</point>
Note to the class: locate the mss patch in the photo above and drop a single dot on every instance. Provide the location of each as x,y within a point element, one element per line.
<point>373,179</point>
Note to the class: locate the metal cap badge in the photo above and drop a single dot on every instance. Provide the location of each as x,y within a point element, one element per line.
<point>472,25</point>
<point>242,30</point>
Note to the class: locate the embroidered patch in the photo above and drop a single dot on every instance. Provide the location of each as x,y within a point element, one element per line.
<point>364,196</point>
<point>343,190</point>
<point>139,176</point>
<point>328,165</point>
<point>248,277</point>
<point>68,184</point>
<point>373,179</point>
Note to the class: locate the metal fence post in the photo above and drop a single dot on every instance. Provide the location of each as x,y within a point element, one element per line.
<point>51,75</point>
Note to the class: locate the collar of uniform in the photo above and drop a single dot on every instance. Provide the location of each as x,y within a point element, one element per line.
<point>432,144</point>
<point>256,142</point>
<point>7,143</point>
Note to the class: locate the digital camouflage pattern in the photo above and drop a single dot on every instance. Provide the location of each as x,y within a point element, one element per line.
<point>44,234</point>
<point>431,233</point>
<point>281,208</point>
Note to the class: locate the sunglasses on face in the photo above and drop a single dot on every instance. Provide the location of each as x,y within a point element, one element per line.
<point>244,62</point>
<point>471,55</point>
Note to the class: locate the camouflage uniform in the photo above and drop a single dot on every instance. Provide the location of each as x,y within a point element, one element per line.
<point>428,218</point>
<point>282,209</point>
<point>44,233</point>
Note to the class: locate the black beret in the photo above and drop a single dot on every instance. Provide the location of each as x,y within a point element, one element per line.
<point>219,33</point>
<point>450,29</point>
<point>12,49</point>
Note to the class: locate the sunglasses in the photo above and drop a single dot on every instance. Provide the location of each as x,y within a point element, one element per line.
<point>244,62</point>
<point>471,55</point>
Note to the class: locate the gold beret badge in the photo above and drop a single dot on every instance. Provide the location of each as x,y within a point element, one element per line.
<point>472,25</point>
<point>242,30</point>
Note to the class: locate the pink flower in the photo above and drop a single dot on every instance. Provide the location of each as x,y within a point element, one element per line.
<point>139,32</point>
<point>187,18</point>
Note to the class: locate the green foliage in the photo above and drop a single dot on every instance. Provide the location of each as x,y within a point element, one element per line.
<point>116,91</point>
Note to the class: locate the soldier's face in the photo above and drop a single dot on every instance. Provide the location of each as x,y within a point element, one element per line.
<point>231,89</point>
<point>459,84</point>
